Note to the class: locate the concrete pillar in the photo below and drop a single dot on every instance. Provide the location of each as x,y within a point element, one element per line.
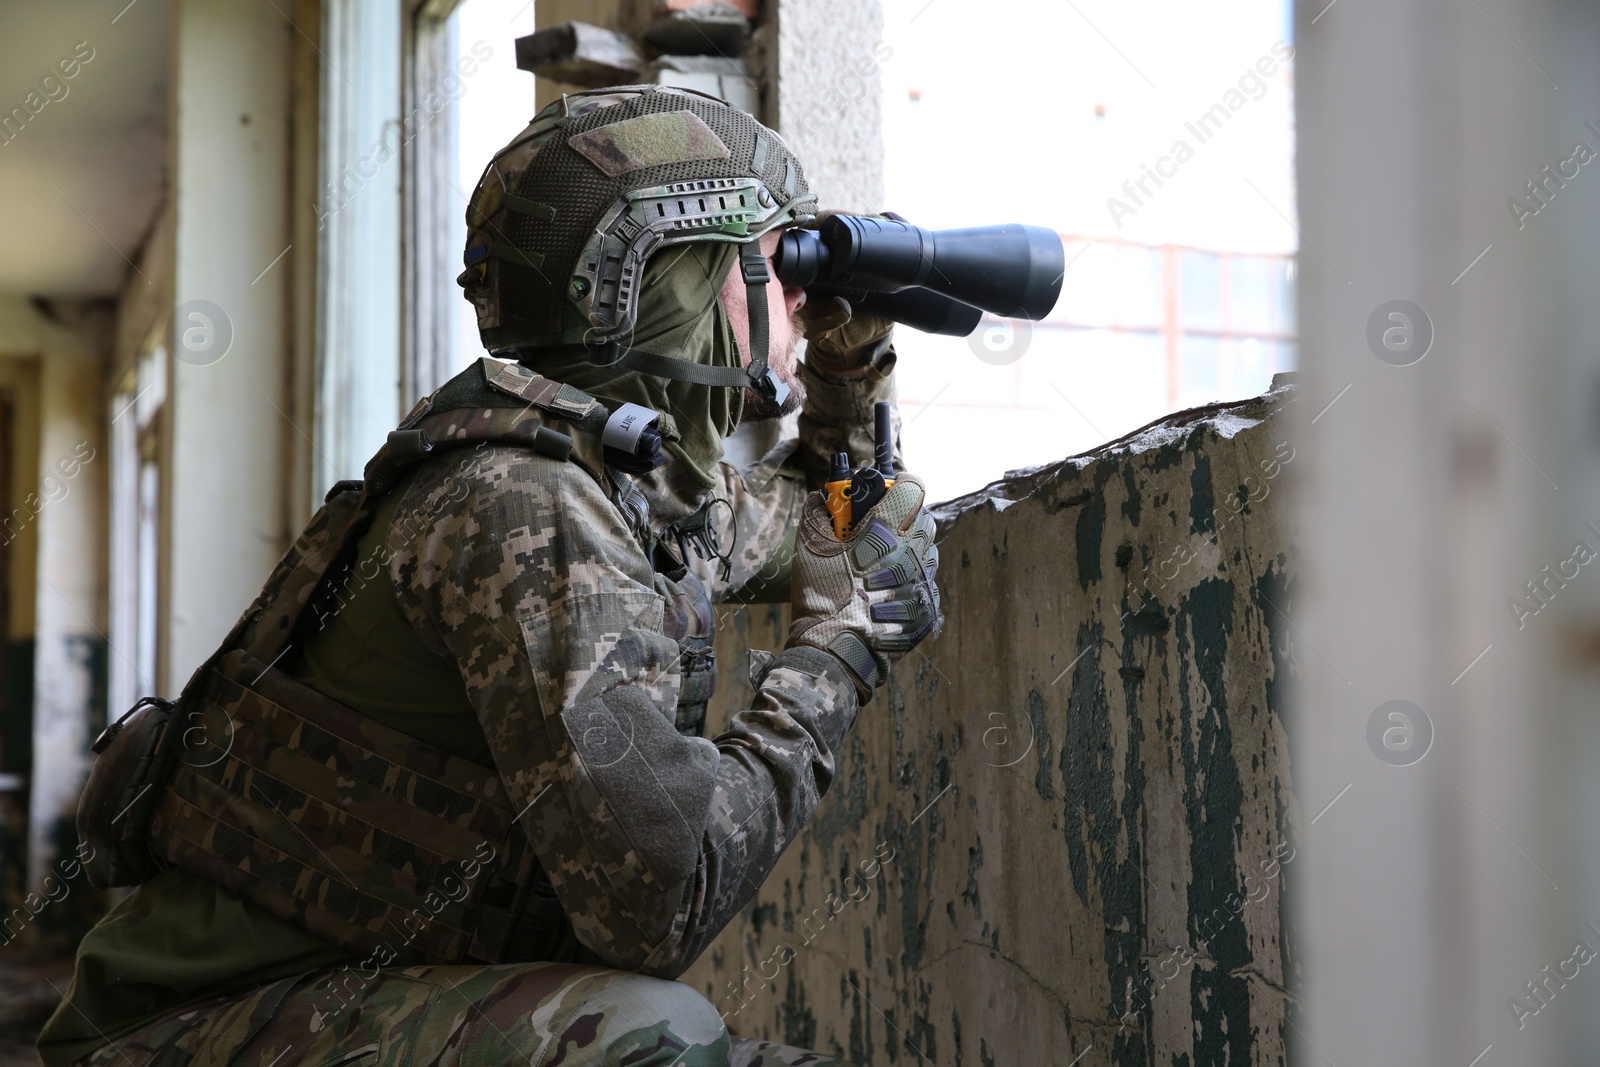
<point>1448,739</point>
<point>607,14</point>
<point>228,419</point>
<point>70,648</point>
<point>825,67</point>
<point>810,69</point>
<point>1065,831</point>
<point>64,503</point>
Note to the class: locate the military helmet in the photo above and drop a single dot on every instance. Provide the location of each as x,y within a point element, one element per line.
<point>566,216</point>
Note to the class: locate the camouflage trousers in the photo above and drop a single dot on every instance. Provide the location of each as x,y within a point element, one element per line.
<point>537,1014</point>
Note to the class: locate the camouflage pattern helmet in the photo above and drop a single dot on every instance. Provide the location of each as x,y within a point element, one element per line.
<point>566,216</point>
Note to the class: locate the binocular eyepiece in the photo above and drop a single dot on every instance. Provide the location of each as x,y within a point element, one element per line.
<point>937,282</point>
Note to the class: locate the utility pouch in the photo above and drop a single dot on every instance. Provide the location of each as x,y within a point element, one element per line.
<point>367,837</point>
<point>134,755</point>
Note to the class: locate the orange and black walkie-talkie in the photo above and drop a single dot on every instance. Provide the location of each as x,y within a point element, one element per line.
<point>851,494</point>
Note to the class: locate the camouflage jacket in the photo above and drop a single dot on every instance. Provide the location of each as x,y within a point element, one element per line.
<point>532,575</point>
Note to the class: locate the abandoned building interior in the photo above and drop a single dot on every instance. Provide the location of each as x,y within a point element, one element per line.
<point>1258,729</point>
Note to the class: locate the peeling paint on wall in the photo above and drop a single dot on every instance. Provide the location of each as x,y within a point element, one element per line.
<point>1076,804</point>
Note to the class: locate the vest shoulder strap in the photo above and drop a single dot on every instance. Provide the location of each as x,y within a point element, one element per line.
<point>528,385</point>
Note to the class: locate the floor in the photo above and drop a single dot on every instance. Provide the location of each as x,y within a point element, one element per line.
<point>28,994</point>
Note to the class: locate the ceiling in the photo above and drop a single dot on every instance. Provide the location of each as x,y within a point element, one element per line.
<point>81,180</point>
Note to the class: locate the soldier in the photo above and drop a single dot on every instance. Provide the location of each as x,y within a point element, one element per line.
<point>441,797</point>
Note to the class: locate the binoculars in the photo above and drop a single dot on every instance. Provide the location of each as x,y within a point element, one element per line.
<point>937,282</point>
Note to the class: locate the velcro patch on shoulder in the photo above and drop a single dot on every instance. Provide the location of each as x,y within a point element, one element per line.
<point>649,141</point>
<point>516,380</point>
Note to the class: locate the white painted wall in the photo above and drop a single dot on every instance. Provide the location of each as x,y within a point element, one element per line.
<point>829,96</point>
<point>70,615</point>
<point>229,423</point>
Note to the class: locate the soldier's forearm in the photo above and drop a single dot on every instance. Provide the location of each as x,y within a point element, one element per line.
<point>837,417</point>
<point>777,761</point>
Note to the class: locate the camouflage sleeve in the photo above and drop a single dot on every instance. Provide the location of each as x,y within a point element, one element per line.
<point>523,570</point>
<point>765,502</point>
<point>837,417</point>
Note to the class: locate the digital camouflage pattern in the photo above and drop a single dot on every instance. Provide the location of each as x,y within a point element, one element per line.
<point>689,619</point>
<point>840,418</point>
<point>537,586</point>
<point>531,574</point>
<point>293,807</point>
<point>516,380</point>
<point>367,837</point>
<point>542,1015</point>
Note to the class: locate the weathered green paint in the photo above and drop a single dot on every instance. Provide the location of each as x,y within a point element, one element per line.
<point>1085,776</point>
<point>1090,529</point>
<point>1214,799</point>
<point>1202,510</point>
<point>1043,746</point>
<point>1130,504</point>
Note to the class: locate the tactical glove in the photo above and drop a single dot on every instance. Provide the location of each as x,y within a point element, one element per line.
<point>870,598</point>
<point>840,341</point>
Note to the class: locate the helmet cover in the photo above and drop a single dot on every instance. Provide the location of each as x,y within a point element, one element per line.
<point>566,216</point>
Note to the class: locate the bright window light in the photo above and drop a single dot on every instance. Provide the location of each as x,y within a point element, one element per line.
<point>1165,161</point>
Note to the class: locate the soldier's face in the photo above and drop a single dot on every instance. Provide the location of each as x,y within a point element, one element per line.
<point>782,331</point>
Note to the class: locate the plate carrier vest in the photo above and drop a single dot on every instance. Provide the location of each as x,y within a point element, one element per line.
<point>365,836</point>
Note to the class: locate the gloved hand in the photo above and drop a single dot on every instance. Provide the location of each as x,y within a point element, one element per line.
<point>871,598</point>
<point>840,341</point>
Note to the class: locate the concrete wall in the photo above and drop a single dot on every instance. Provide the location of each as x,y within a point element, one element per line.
<point>1066,829</point>
<point>828,95</point>
<point>70,651</point>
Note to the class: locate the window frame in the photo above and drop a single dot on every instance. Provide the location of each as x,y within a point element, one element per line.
<point>135,515</point>
<point>430,263</point>
<point>358,248</point>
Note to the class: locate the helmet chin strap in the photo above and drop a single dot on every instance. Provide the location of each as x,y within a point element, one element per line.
<point>758,376</point>
<point>763,379</point>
